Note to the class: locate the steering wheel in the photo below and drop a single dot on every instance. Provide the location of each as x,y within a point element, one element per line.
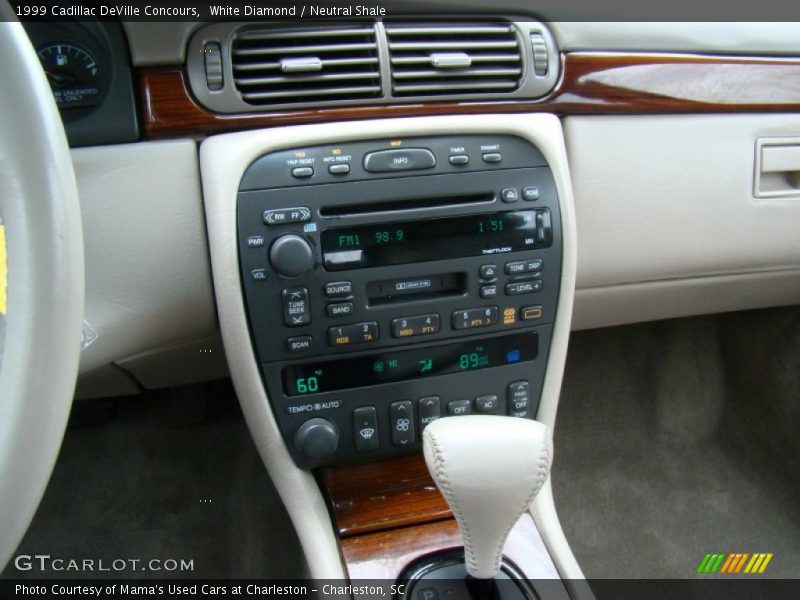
<point>40,336</point>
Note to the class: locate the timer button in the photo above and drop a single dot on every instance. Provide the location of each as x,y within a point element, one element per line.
<point>317,438</point>
<point>291,255</point>
<point>458,159</point>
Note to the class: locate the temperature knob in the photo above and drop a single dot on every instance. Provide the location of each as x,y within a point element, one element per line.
<point>291,255</point>
<point>317,438</point>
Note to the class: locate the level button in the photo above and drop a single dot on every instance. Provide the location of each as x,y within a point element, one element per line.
<point>407,159</point>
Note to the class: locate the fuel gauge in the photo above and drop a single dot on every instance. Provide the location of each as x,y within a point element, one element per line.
<point>74,75</point>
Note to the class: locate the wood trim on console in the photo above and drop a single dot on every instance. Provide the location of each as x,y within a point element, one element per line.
<point>389,513</point>
<point>591,83</point>
<point>382,495</point>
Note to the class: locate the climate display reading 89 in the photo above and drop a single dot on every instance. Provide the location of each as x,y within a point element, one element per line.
<point>389,367</point>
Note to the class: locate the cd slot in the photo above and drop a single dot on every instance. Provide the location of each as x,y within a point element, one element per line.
<point>351,210</point>
<point>419,287</point>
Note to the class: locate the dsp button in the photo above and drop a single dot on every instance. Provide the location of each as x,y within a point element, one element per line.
<point>519,267</point>
<point>401,420</point>
<point>407,159</point>
<point>418,325</point>
<point>469,318</point>
<point>358,333</point>
<point>518,398</point>
<point>296,311</point>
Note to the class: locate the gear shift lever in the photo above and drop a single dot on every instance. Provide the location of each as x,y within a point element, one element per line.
<point>489,469</point>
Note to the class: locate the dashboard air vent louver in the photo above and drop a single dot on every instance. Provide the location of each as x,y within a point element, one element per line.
<point>443,59</point>
<point>301,65</point>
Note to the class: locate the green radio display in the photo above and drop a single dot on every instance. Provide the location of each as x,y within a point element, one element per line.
<point>433,239</point>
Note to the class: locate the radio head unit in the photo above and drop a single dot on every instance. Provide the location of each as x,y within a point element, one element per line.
<point>392,282</point>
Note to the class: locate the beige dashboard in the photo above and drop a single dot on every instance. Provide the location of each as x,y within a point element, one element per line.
<point>668,222</point>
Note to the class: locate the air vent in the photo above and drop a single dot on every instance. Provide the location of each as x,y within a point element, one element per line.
<point>454,59</point>
<point>301,65</point>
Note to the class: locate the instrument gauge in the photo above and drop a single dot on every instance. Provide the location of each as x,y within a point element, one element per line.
<point>74,74</point>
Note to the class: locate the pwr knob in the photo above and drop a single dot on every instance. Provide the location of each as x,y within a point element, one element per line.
<point>291,255</point>
<point>317,438</point>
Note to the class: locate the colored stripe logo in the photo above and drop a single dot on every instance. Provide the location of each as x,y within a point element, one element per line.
<point>735,562</point>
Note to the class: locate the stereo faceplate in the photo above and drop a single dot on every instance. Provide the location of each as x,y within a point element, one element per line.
<point>392,290</point>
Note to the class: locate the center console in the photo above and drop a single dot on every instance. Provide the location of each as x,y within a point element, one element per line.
<point>395,280</point>
<point>372,277</point>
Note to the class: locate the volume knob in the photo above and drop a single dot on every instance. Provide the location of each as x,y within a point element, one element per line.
<point>291,255</point>
<point>317,438</point>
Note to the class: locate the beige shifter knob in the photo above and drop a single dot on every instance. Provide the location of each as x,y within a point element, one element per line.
<point>489,469</point>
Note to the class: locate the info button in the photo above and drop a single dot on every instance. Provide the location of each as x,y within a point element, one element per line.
<point>407,159</point>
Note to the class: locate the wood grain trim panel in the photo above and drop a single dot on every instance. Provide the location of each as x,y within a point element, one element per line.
<point>384,555</point>
<point>383,495</point>
<point>591,83</point>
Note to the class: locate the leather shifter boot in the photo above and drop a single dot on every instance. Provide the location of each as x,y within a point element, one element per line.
<point>489,469</point>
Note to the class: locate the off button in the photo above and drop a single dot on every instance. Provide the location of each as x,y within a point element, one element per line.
<point>407,159</point>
